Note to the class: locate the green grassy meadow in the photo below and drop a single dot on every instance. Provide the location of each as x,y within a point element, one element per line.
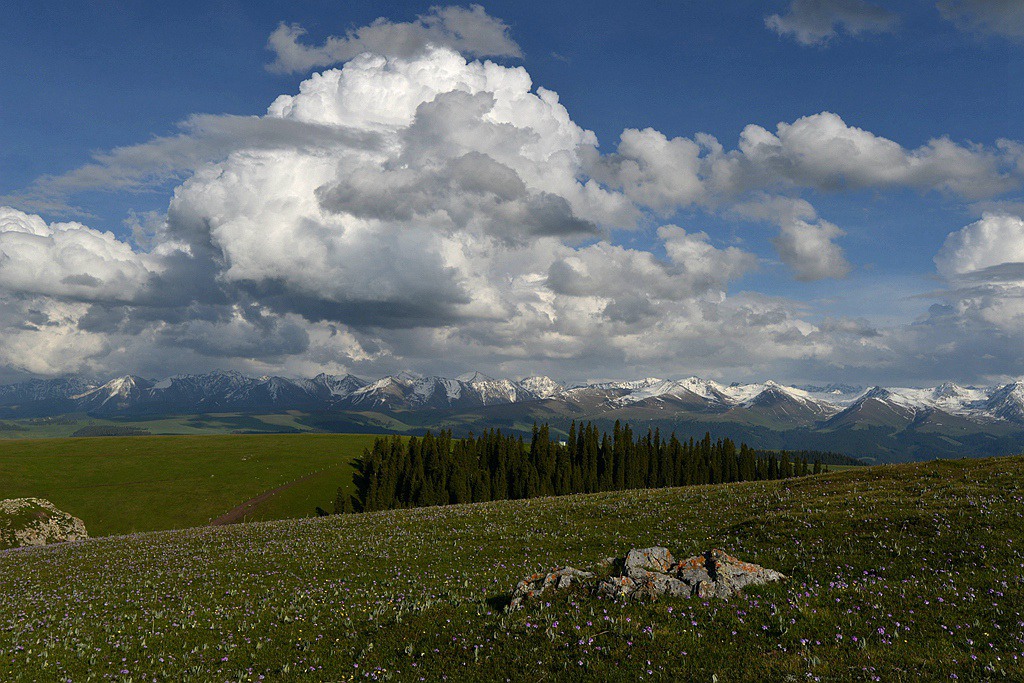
<point>897,573</point>
<point>181,425</point>
<point>119,485</point>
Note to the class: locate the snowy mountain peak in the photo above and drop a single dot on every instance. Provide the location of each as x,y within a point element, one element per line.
<point>1007,402</point>
<point>1013,391</point>
<point>833,389</point>
<point>407,376</point>
<point>771,388</point>
<point>121,386</point>
<point>382,383</point>
<point>1015,388</point>
<point>231,374</point>
<point>540,386</point>
<point>473,377</point>
<point>877,392</point>
<point>333,385</point>
<point>947,389</point>
<point>120,392</point>
<point>702,387</point>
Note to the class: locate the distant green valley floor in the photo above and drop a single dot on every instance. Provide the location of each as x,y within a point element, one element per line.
<point>287,422</point>
<point>898,573</point>
<point>291,422</point>
<point>120,485</point>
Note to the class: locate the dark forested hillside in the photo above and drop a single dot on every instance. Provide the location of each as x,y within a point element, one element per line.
<point>440,470</point>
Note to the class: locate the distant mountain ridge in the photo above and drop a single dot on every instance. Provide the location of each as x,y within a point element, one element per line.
<point>230,390</point>
<point>409,391</point>
<point>947,419</point>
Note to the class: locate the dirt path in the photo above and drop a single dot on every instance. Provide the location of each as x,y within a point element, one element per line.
<point>237,514</point>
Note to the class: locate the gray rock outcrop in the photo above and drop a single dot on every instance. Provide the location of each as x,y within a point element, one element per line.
<point>653,572</point>
<point>34,521</point>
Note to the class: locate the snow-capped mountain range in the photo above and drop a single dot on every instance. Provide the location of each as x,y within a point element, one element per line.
<point>233,391</point>
<point>409,391</point>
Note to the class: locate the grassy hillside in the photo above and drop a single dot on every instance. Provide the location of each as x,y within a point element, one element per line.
<point>898,573</point>
<point>124,484</point>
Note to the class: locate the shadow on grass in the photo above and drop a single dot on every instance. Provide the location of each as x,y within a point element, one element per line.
<point>498,602</point>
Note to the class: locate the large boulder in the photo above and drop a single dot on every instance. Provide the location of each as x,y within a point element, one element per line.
<point>650,572</point>
<point>34,521</point>
<point>653,572</point>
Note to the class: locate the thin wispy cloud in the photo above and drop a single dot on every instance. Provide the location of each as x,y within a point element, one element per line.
<point>470,31</point>
<point>204,138</point>
<point>993,17</point>
<point>817,22</point>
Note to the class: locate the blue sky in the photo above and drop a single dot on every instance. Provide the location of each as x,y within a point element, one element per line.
<point>85,78</point>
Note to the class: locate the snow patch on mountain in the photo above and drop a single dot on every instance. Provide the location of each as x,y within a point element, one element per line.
<point>333,386</point>
<point>630,385</point>
<point>692,387</point>
<point>496,391</point>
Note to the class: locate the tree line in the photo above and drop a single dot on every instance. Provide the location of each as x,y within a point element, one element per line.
<point>440,470</point>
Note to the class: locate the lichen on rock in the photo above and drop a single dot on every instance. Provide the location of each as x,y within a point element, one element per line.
<point>34,522</point>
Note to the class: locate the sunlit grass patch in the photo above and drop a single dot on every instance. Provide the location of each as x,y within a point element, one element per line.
<point>121,485</point>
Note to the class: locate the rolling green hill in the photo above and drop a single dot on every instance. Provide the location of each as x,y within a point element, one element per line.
<point>897,573</point>
<point>145,483</point>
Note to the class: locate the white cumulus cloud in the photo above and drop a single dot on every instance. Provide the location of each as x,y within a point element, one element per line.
<point>475,164</point>
<point>816,152</point>
<point>68,260</point>
<point>995,240</point>
<point>808,248</point>
<point>824,152</point>
<point>693,268</point>
<point>805,242</point>
<point>41,336</point>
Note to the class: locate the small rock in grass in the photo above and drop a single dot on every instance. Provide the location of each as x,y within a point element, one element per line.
<point>535,584</point>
